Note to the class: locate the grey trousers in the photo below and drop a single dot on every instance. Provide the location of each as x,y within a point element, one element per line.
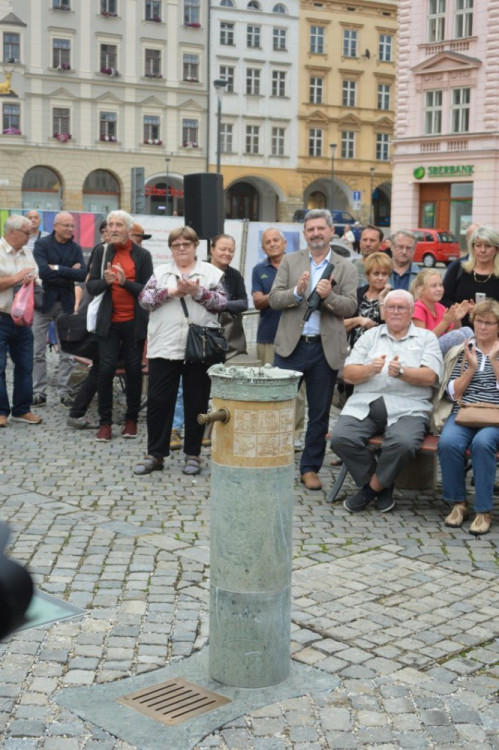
<point>401,442</point>
<point>41,324</point>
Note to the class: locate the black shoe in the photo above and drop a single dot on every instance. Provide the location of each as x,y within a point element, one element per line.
<point>39,399</point>
<point>66,401</point>
<point>385,500</point>
<point>360,500</point>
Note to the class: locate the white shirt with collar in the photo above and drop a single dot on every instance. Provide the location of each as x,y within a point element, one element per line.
<point>10,263</point>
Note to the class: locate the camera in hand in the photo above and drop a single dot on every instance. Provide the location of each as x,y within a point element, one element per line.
<point>315,300</point>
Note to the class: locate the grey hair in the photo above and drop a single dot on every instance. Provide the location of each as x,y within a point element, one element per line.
<point>405,233</point>
<point>16,221</point>
<point>319,213</point>
<point>407,296</point>
<point>274,229</point>
<point>123,215</point>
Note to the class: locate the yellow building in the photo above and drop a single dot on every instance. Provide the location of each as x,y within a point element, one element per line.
<point>346,105</point>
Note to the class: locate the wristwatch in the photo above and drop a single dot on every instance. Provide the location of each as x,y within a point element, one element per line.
<point>401,372</point>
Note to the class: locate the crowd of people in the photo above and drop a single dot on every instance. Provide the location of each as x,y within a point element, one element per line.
<point>408,347</point>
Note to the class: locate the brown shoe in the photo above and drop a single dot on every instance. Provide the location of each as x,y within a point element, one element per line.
<point>311,480</point>
<point>4,422</point>
<point>457,516</point>
<point>481,524</point>
<point>28,418</point>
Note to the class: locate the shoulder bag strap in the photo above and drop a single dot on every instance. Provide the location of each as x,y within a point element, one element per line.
<point>184,307</point>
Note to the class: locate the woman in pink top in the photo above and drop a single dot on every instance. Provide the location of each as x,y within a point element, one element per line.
<point>428,289</point>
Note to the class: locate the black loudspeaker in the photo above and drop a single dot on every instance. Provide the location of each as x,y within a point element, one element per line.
<point>203,204</point>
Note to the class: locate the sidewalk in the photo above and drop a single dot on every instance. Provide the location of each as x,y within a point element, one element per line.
<point>398,611</point>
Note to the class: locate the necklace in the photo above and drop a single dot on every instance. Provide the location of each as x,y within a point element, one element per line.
<point>482,281</point>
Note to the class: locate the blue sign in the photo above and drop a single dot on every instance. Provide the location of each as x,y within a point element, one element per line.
<point>356,195</point>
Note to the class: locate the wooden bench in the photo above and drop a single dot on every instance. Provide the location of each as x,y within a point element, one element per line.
<point>428,447</point>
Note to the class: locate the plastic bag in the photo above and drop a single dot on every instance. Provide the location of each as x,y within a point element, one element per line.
<point>23,305</point>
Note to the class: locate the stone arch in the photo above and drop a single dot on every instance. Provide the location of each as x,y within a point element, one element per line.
<point>101,191</point>
<point>253,198</point>
<point>42,188</point>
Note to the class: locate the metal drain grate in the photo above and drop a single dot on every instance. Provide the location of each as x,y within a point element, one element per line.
<point>174,701</point>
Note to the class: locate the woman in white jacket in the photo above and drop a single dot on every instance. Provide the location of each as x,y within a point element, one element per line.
<point>200,285</point>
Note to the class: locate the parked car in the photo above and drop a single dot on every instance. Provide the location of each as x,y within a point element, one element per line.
<point>340,219</point>
<point>435,246</point>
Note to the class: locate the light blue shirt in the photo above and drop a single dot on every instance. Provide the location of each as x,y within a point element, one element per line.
<point>313,325</point>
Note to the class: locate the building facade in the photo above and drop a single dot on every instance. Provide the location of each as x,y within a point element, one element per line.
<point>445,160</point>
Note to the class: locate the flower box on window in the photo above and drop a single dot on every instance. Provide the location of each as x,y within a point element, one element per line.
<point>62,137</point>
<point>63,66</point>
<point>190,144</point>
<point>153,75</point>
<point>109,72</point>
<point>12,131</point>
<point>191,79</point>
<point>108,13</point>
<point>156,19</point>
<point>193,25</point>
<point>108,138</point>
<point>153,142</point>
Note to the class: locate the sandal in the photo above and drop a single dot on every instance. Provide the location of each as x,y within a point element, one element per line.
<point>148,465</point>
<point>481,524</point>
<point>457,516</point>
<point>192,465</point>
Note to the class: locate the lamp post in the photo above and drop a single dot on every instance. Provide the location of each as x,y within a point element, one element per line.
<point>371,213</point>
<point>332,146</point>
<point>167,161</point>
<point>220,85</point>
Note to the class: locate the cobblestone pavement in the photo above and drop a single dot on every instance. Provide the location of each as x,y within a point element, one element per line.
<point>403,610</point>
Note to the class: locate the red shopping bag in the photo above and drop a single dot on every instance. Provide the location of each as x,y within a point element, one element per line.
<point>23,305</point>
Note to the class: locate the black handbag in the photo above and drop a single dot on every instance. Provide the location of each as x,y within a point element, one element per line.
<point>205,344</point>
<point>71,327</point>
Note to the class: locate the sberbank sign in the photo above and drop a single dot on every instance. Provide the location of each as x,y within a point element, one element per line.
<point>449,170</point>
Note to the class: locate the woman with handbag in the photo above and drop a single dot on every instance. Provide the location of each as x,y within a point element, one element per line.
<point>183,297</point>
<point>471,378</point>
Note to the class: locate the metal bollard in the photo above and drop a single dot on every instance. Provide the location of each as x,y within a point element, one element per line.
<point>252,473</point>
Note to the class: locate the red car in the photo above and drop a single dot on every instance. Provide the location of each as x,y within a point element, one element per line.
<point>435,246</point>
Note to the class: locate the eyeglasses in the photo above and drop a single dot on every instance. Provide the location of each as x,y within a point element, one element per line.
<point>487,323</point>
<point>24,231</point>
<point>404,248</point>
<point>397,308</point>
<point>176,245</point>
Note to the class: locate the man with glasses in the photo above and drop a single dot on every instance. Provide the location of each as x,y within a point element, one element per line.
<point>17,267</point>
<point>60,264</point>
<point>394,368</point>
<point>404,270</point>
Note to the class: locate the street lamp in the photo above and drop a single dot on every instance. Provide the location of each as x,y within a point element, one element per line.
<point>371,213</point>
<point>220,86</point>
<point>332,146</point>
<point>167,160</point>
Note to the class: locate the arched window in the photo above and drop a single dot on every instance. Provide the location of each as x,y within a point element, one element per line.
<point>226,3</point>
<point>279,8</point>
<point>101,192</point>
<point>42,188</point>
<point>253,5</point>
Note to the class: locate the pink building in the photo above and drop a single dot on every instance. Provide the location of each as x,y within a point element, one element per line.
<point>446,142</point>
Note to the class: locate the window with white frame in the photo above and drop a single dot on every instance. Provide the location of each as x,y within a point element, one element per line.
<point>227,3</point>
<point>278,83</point>
<point>277,145</point>
<point>11,47</point>
<point>433,112</point>
<point>152,129</point>
<point>347,144</point>
<point>253,5</point>
<point>61,5</point>
<point>226,137</point>
<point>315,139</point>
<point>152,62</point>
<point>190,67</point>
<point>349,43</point>
<point>108,122</point>
<point>60,121</point>
<point>436,20</point>
<point>382,146</point>
<point>460,110</point>
<point>317,40</point>
<point>227,34</point>
<point>279,39</point>
<point>109,7</point>
<point>11,118</point>
<point>279,8</point>
<point>227,74</point>
<point>153,10</point>
<point>348,93</point>
<point>253,81</point>
<point>61,54</point>
<point>253,36</point>
<point>191,12</point>
<point>463,18</point>
<point>384,96</point>
<point>190,131</point>
<point>252,139</point>
<point>316,90</point>
<point>385,47</point>
<point>108,58</point>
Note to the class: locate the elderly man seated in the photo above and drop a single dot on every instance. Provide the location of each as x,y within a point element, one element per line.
<point>394,368</point>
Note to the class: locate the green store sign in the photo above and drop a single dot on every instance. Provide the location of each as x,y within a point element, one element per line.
<point>449,170</point>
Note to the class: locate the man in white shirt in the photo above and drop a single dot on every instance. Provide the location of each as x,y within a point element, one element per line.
<point>35,231</point>
<point>17,267</point>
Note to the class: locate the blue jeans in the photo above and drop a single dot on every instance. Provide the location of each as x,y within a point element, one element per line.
<point>18,342</point>
<point>452,446</point>
<point>319,378</point>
